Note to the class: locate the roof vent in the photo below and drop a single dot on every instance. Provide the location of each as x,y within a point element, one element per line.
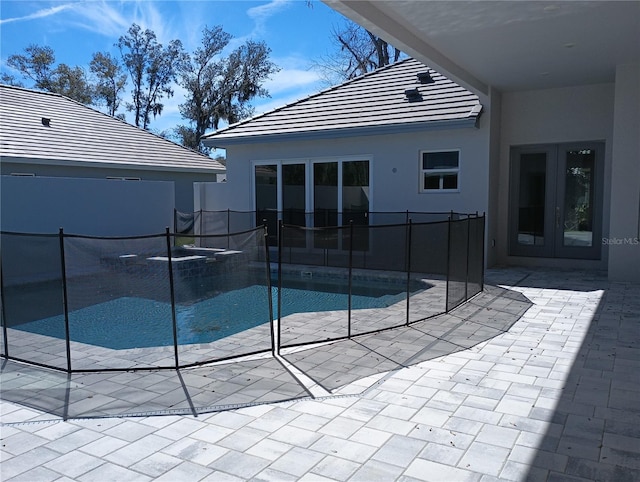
<point>425,78</point>
<point>46,122</point>
<point>412,94</point>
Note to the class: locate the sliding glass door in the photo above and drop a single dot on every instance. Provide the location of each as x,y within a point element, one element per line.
<point>334,192</point>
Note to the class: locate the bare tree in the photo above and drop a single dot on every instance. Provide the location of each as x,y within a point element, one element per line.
<point>357,51</point>
<point>111,80</point>
<point>153,69</point>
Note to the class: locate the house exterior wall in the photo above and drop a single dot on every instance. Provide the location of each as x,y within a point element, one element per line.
<point>553,116</point>
<point>624,233</point>
<point>183,182</point>
<point>97,207</point>
<point>394,163</point>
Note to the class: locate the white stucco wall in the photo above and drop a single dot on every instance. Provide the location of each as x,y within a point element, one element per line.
<point>182,180</point>
<point>212,196</point>
<point>394,163</point>
<point>624,234</point>
<point>96,207</point>
<point>583,113</point>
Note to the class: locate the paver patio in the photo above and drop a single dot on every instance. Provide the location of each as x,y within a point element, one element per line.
<point>553,397</point>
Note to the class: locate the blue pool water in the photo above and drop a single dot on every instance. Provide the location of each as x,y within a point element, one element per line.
<point>129,322</point>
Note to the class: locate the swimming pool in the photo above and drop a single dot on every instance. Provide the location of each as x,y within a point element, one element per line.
<point>133,322</point>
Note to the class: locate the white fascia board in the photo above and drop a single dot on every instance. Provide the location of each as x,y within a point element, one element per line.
<point>222,143</point>
<point>111,165</point>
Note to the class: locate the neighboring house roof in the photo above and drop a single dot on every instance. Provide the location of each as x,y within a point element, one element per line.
<point>77,135</point>
<point>374,103</point>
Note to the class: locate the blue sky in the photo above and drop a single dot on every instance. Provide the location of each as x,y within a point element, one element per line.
<point>296,34</point>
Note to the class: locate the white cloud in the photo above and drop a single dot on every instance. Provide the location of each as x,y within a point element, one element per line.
<point>148,17</point>
<point>261,14</point>
<point>288,86</point>
<point>287,80</point>
<point>296,74</point>
<point>111,19</point>
<point>100,18</point>
<point>46,12</point>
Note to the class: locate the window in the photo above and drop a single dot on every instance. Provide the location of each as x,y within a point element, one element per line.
<point>439,171</point>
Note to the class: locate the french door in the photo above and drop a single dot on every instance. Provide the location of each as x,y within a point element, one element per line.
<point>556,201</point>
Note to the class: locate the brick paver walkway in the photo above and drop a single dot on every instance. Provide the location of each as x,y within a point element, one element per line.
<point>553,397</point>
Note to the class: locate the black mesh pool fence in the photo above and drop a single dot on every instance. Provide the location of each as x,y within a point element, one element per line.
<point>411,272</point>
<point>203,294</point>
<point>81,303</point>
<point>208,222</point>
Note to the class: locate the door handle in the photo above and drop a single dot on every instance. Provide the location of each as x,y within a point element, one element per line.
<point>557,216</point>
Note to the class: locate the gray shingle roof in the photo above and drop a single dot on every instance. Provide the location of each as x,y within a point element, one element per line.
<point>370,104</point>
<point>80,135</point>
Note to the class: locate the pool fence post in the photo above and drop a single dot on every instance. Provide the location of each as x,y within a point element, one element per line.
<point>228,226</point>
<point>269,289</point>
<point>446,301</point>
<point>3,313</point>
<point>484,220</point>
<point>264,223</point>
<point>466,275</point>
<point>173,299</point>
<point>65,300</point>
<point>279,298</point>
<point>350,277</point>
<point>408,261</point>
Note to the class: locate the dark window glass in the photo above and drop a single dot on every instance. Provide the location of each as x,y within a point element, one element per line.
<point>450,181</point>
<point>432,182</point>
<point>440,160</point>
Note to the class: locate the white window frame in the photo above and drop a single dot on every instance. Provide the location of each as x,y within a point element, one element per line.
<point>424,172</point>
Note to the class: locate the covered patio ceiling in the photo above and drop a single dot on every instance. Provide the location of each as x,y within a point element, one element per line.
<point>508,45</point>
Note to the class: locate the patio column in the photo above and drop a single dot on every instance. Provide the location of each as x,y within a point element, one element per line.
<point>624,228</point>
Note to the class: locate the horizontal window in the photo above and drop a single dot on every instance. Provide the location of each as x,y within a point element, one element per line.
<point>439,171</point>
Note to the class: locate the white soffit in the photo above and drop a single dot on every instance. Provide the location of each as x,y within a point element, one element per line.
<point>508,45</point>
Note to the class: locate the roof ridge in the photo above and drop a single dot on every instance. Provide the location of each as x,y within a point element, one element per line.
<point>27,89</point>
<point>311,96</point>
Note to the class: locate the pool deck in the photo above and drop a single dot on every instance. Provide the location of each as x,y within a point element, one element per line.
<point>554,396</point>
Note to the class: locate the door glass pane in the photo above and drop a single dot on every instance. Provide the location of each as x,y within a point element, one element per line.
<point>325,203</point>
<point>355,192</point>
<point>578,198</point>
<point>267,200</point>
<point>325,194</point>
<point>293,194</point>
<point>532,187</point>
<point>355,204</point>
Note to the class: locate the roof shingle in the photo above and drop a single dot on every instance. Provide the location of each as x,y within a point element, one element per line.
<point>80,135</point>
<point>368,104</point>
